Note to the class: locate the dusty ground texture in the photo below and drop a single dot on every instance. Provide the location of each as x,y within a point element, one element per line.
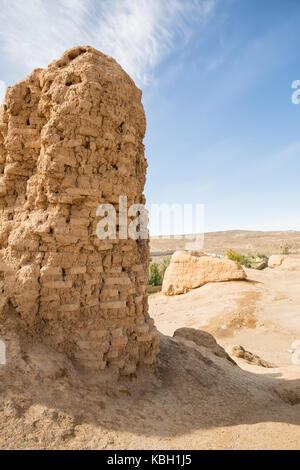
<point>242,241</point>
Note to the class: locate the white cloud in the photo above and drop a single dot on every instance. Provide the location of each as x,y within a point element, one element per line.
<point>137,33</point>
<point>2,91</point>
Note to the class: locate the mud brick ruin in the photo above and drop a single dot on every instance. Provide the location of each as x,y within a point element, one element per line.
<point>71,138</point>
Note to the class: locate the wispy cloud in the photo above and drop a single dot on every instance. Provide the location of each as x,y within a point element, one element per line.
<point>273,163</point>
<point>137,33</point>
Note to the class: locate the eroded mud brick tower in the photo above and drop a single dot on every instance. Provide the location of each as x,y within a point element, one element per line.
<point>71,138</point>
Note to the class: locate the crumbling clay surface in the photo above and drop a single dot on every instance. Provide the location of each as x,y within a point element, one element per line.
<point>71,138</point>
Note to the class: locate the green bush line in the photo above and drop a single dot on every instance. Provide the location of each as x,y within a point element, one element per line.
<point>157,272</point>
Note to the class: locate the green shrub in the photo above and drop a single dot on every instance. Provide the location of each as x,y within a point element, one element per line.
<point>157,272</point>
<point>286,250</point>
<point>262,257</point>
<point>241,259</point>
<point>155,278</point>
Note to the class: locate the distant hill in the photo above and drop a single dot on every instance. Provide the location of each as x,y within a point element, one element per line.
<point>242,241</point>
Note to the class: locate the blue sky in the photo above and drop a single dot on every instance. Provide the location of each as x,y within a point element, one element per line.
<point>216,77</point>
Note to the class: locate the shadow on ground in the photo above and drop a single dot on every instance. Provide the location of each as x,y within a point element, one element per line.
<point>46,401</point>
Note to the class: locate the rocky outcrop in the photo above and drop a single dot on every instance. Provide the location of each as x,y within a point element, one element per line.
<point>275,261</point>
<point>239,352</point>
<point>261,266</point>
<point>71,138</point>
<point>284,262</point>
<point>188,270</point>
<point>203,339</point>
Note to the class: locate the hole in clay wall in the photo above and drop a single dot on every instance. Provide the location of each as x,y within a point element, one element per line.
<point>120,128</point>
<point>27,98</point>
<point>73,79</point>
<point>72,55</point>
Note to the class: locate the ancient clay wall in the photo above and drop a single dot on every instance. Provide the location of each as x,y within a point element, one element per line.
<point>71,138</point>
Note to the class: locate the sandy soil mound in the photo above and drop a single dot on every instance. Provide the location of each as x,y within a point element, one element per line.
<point>196,399</point>
<point>190,270</point>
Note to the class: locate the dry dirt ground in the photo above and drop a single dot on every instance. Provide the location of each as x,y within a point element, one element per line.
<point>242,241</point>
<point>194,400</point>
<point>261,313</point>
